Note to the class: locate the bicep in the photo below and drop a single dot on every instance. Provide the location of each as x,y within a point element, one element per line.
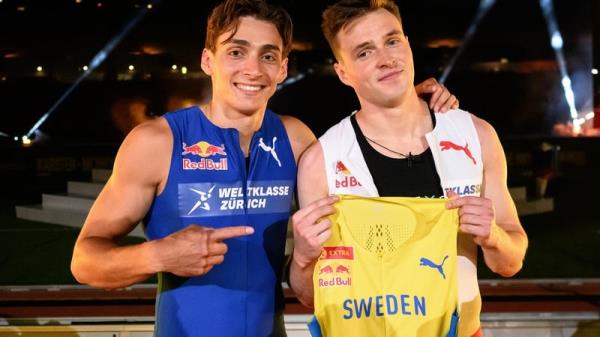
<point>129,192</point>
<point>312,181</point>
<point>118,209</point>
<point>495,185</point>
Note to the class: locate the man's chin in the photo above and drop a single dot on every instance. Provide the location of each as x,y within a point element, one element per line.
<point>249,109</point>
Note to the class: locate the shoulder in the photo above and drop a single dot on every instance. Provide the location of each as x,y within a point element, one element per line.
<point>456,118</point>
<point>312,157</point>
<point>148,145</point>
<point>486,132</point>
<point>339,131</point>
<point>153,134</point>
<point>491,147</point>
<point>463,119</point>
<point>300,136</point>
<point>296,129</point>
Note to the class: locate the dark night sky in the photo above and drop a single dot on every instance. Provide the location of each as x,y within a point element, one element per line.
<point>63,35</point>
<point>58,31</point>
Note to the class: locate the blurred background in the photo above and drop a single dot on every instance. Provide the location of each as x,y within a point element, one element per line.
<point>77,75</point>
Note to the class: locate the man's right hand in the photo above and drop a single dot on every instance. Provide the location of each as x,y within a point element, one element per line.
<point>194,250</point>
<point>312,229</point>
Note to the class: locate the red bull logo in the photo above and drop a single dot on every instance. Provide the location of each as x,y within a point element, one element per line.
<point>340,168</point>
<point>205,164</point>
<point>334,277</point>
<point>448,145</point>
<point>203,149</point>
<point>344,177</point>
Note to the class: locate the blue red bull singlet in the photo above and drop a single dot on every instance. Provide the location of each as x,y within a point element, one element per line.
<point>209,185</point>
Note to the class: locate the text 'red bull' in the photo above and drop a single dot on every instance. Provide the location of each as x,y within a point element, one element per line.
<point>204,150</point>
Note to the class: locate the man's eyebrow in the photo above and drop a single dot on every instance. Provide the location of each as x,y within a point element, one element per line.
<point>361,46</point>
<point>246,43</point>
<point>270,47</point>
<point>238,42</point>
<point>367,43</point>
<point>394,32</point>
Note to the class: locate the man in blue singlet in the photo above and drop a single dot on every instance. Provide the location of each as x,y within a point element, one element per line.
<point>213,186</point>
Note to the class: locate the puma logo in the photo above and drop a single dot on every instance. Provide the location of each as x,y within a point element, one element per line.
<point>270,149</point>
<point>439,267</point>
<point>448,145</point>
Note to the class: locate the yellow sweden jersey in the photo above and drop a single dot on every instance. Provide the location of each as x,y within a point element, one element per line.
<point>389,269</point>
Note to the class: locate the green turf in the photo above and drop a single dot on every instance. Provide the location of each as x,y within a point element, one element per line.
<point>559,246</point>
<point>35,253</point>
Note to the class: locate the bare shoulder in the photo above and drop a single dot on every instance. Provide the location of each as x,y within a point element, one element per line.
<point>148,145</point>
<point>155,131</point>
<point>486,132</point>
<point>312,158</point>
<point>491,148</point>
<point>149,139</point>
<point>301,137</point>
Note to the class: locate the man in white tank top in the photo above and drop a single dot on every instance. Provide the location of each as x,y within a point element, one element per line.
<point>374,58</point>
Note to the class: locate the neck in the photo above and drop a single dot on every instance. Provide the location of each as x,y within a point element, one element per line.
<point>407,121</point>
<point>246,123</point>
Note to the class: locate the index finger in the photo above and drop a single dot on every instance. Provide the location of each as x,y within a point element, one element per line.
<point>437,90</point>
<point>224,233</point>
<point>456,104</point>
<point>302,212</point>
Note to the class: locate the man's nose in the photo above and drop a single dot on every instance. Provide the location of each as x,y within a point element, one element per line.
<point>252,67</point>
<point>387,59</point>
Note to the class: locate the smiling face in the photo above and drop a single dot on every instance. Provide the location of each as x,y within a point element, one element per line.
<point>245,68</point>
<point>375,59</point>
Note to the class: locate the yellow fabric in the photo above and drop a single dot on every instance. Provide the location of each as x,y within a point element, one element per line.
<point>384,272</point>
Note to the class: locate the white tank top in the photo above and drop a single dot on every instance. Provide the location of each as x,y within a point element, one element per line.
<point>456,152</point>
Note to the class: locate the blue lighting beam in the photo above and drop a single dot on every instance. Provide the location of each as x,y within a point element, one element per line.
<point>556,41</point>
<point>95,63</point>
<point>484,8</point>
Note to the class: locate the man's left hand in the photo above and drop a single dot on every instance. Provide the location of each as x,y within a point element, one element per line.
<point>477,217</point>
<point>441,99</point>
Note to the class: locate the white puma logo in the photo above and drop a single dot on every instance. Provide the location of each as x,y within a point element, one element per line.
<point>270,149</point>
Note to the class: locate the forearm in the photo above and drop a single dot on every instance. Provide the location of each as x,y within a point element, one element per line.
<point>101,263</point>
<point>301,281</point>
<point>506,253</point>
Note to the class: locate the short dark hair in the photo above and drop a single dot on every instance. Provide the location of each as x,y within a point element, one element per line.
<point>226,17</point>
<point>340,14</point>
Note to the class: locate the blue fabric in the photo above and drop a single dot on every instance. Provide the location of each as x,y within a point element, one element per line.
<point>208,185</point>
<point>453,325</point>
<point>314,328</point>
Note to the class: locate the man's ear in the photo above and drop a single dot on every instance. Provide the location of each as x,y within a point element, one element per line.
<point>206,61</point>
<point>283,71</point>
<point>341,72</point>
